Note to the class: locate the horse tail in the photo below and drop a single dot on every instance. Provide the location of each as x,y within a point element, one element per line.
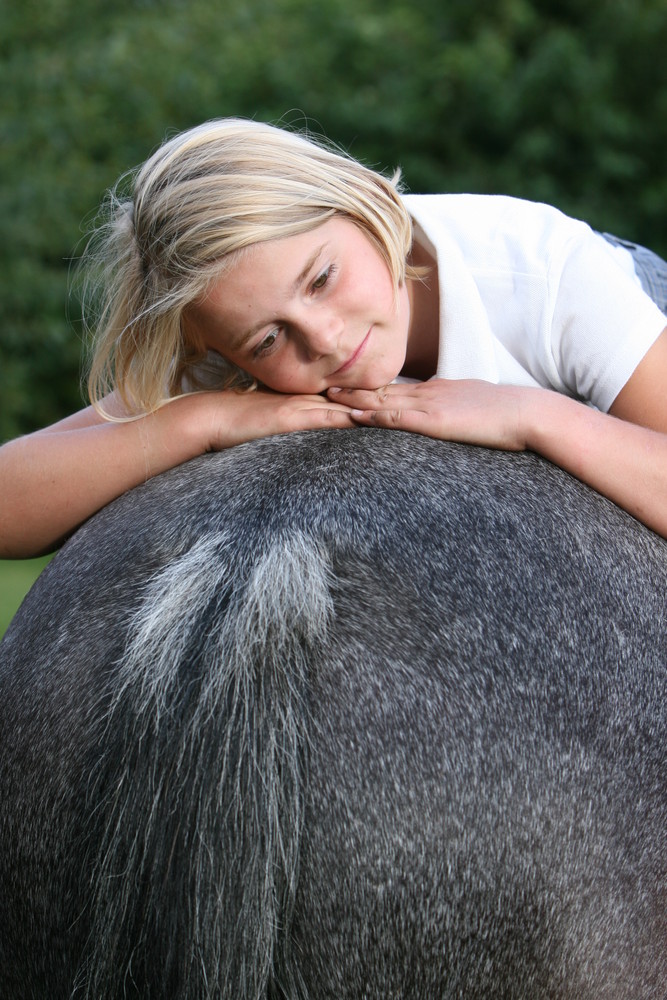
<point>202,781</point>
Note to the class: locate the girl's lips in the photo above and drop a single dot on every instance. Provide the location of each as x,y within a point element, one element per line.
<point>354,357</point>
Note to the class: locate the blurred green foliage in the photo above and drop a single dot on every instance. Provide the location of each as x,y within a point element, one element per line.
<point>16,579</point>
<point>558,101</point>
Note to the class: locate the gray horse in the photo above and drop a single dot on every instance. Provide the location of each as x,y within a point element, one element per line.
<point>340,714</point>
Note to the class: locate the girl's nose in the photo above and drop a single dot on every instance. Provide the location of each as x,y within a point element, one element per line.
<point>321,334</point>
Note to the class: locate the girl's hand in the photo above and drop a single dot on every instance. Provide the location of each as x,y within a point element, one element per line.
<point>236,416</point>
<point>622,454</point>
<point>469,411</point>
<point>54,479</point>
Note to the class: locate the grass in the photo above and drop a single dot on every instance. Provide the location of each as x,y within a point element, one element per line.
<point>16,579</point>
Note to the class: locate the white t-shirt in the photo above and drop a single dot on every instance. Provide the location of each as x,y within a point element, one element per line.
<point>531,297</point>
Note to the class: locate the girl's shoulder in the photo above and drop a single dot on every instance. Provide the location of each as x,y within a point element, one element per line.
<point>496,226</point>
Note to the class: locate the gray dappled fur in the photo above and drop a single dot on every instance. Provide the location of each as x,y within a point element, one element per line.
<point>340,715</point>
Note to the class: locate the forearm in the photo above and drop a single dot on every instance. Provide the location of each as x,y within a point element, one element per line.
<point>54,480</point>
<point>621,460</point>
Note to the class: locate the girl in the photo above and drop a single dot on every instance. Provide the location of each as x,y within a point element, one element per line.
<point>258,283</point>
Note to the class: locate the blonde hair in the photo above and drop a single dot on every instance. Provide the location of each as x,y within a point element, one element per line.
<point>202,197</point>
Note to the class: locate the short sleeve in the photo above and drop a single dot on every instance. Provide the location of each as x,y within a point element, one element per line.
<point>603,321</point>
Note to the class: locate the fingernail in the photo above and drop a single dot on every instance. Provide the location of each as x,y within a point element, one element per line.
<point>334,388</point>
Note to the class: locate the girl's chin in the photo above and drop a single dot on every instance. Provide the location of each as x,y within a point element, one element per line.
<point>370,382</point>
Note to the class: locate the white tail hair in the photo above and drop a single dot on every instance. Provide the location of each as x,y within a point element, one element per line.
<point>221,643</point>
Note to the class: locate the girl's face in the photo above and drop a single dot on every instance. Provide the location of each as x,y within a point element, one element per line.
<point>308,312</point>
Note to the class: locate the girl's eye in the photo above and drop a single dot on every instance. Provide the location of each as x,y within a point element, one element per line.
<point>321,279</point>
<point>265,346</point>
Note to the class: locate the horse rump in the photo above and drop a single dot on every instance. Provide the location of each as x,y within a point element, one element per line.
<point>339,714</point>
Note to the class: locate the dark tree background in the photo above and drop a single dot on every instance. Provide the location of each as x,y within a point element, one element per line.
<point>562,101</point>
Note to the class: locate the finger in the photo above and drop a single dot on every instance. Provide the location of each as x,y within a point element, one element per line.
<point>327,404</point>
<point>316,417</point>
<point>366,399</point>
<point>407,420</point>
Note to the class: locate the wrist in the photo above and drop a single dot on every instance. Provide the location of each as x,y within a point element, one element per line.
<point>178,431</point>
<point>558,427</point>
